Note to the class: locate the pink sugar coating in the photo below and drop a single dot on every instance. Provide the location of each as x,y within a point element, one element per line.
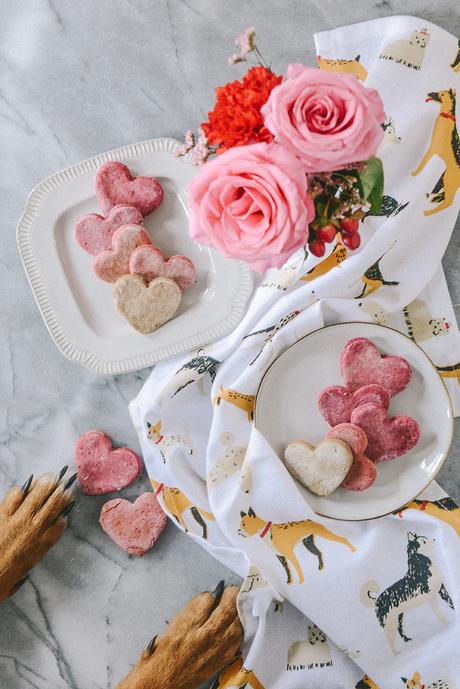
<point>135,527</point>
<point>112,264</point>
<point>352,435</point>
<point>100,468</point>
<point>94,233</point>
<point>388,437</point>
<point>150,262</point>
<point>362,364</point>
<point>337,402</point>
<point>361,475</point>
<point>116,185</point>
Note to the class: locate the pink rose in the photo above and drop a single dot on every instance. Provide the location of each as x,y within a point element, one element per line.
<point>251,203</point>
<point>327,119</point>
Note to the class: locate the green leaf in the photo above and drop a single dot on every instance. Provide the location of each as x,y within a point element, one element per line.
<point>371,181</point>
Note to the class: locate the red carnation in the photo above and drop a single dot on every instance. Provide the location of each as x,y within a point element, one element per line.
<point>236,119</point>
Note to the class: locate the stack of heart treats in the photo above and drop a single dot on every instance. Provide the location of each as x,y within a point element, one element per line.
<point>147,287</point>
<point>362,433</point>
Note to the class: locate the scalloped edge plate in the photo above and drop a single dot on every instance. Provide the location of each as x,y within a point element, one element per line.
<point>77,307</point>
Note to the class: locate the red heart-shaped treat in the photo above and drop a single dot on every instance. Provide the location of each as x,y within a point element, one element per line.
<point>387,436</point>
<point>150,262</point>
<point>361,475</point>
<point>112,264</point>
<point>362,472</point>
<point>94,232</point>
<point>336,402</point>
<point>115,184</point>
<point>362,364</point>
<point>100,468</point>
<point>135,527</point>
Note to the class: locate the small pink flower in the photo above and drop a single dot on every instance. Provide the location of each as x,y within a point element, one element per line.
<point>235,58</point>
<point>251,203</point>
<point>189,138</point>
<point>199,154</point>
<point>189,143</point>
<point>246,41</point>
<point>327,119</point>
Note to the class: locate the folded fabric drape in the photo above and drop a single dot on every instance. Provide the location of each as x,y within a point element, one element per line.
<point>332,604</point>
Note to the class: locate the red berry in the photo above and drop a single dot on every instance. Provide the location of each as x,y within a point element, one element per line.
<point>327,233</point>
<point>317,247</point>
<point>349,225</point>
<point>352,241</point>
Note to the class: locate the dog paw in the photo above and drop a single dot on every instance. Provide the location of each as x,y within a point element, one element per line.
<point>32,518</point>
<point>203,638</point>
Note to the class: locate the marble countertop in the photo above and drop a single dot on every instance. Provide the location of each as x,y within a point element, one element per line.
<point>79,78</point>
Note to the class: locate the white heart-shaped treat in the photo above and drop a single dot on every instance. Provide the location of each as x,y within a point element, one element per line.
<point>321,469</point>
<point>146,307</point>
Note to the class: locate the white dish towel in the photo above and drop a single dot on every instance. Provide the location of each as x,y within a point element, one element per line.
<point>387,600</point>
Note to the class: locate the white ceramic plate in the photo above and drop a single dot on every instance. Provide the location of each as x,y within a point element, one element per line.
<point>286,410</point>
<point>77,307</point>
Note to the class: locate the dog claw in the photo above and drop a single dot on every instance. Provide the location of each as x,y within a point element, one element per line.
<point>70,482</point>
<point>62,472</point>
<point>67,510</point>
<point>151,644</point>
<point>26,487</point>
<point>21,582</point>
<point>217,593</point>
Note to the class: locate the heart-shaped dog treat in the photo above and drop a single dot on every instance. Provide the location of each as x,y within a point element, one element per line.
<point>115,184</point>
<point>387,437</point>
<point>94,232</point>
<point>135,527</point>
<point>150,262</point>
<point>112,264</point>
<point>361,364</point>
<point>146,307</point>
<point>321,469</point>
<point>100,468</point>
<point>362,473</point>
<point>336,402</point>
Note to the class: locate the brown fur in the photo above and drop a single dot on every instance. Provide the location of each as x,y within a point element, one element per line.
<point>29,525</point>
<point>197,644</point>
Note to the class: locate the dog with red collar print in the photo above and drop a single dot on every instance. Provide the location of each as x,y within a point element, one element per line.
<point>202,639</point>
<point>166,443</point>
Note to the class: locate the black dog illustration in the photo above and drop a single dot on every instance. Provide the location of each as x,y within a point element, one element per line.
<point>421,584</point>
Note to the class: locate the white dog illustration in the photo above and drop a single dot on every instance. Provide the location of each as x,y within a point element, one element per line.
<point>409,52</point>
<point>310,653</point>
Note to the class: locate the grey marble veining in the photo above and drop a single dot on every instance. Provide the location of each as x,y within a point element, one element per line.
<point>78,78</point>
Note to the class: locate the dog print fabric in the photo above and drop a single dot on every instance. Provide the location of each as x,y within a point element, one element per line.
<point>328,604</point>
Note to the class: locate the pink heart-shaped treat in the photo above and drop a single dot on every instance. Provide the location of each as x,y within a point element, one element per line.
<point>100,468</point>
<point>115,184</point>
<point>94,232</point>
<point>362,472</point>
<point>387,436</point>
<point>135,527</point>
<point>150,262</point>
<point>336,402</point>
<point>362,364</point>
<point>112,264</point>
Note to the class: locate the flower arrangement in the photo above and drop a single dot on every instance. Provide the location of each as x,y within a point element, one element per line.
<point>286,161</point>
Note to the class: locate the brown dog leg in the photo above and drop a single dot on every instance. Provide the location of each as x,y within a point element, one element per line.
<point>32,518</point>
<point>203,638</point>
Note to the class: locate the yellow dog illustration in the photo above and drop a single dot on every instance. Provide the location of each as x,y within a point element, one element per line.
<point>416,683</point>
<point>239,399</point>
<point>444,509</point>
<point>176,503</point>
<point>366,683</point>
<point>450,371</point>
<point>284,538</point>
<point>373,280</point>
<point>236,675</point>
<point>445,143</point>
<point>348,66</point>
<point>335,258</point>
